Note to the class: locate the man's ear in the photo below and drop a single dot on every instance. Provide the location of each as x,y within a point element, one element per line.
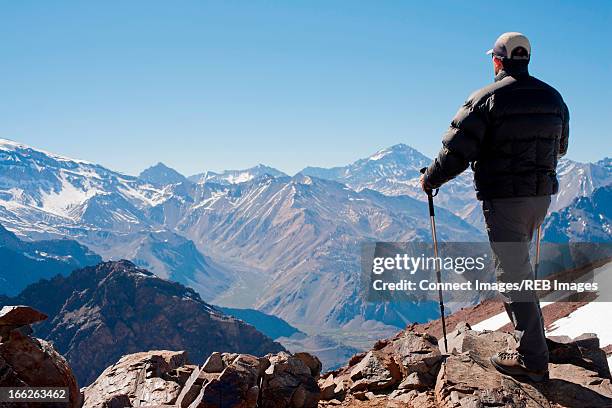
<point>498,63</point>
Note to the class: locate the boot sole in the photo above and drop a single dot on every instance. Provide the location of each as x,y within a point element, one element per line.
<point>532,376</point>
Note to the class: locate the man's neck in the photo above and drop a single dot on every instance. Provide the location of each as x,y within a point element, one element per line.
<point>515,72</point>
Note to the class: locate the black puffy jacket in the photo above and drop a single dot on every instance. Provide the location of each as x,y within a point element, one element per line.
<point>512,132</point>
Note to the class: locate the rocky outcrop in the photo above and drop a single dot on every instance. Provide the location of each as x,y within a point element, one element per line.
<point>99,314</point>
<point>165,378</point>
<point>407,370</point>
<point>398,371</point>
<point>410,371</point>
<point>28,361</point>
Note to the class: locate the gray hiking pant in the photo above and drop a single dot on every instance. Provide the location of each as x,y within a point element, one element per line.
<point>511,223</point>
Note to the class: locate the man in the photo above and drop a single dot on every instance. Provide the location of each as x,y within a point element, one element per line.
<point>512,133</point>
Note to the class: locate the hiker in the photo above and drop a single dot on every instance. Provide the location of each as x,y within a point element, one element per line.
<point>511,133</point>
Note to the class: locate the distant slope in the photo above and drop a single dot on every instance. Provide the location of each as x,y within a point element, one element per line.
<point>305,233</point>
<point>23,262</point>
<point>579,180</point>
<point>332,353</point>
<point>271,326</point>
<point>586,219</point>
<point>98,314</point>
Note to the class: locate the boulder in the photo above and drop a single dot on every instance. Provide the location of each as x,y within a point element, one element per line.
<point>412,399</point>
<point>312,362</point>
<point>192,388</point>
<point>28,361</point>
<point>484,344</point>
<point>416,352</point>
<point>20,316</point>
<point>582,351</point>
<point>236,386</point>
<point>289,382</point>
<point>153,377</point>
<point>405,364</point>
<point>467,380</point>
<point>376,371</point>
<point>327,387</point>
<point>214,363</point>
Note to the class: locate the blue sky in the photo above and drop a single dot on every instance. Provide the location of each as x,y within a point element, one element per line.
<point>229,84</point>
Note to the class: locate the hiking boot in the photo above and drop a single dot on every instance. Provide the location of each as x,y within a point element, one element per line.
<point>511,363</point>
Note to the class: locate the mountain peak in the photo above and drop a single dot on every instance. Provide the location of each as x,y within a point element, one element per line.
<point>160,174</point>
<point>399,149</point>
<point>237,176</point>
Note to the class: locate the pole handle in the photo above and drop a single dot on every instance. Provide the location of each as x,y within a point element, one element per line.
<point>430,195</point>
<point>432,212</point>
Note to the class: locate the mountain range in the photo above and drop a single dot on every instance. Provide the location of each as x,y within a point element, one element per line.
<point>291,244</point>
<point>256,238</point>
<point>395,171</point>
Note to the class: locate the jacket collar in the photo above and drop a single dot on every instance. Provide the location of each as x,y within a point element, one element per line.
<point>516,73</point>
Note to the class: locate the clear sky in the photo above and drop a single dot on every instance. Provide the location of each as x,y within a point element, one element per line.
<point>229,84</point>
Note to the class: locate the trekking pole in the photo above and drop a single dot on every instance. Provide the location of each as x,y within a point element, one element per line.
<point>537,259</point>
<point>432,220</point>
<point>537,254</point>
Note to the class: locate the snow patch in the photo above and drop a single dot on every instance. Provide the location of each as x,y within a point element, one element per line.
<point>12,146</point>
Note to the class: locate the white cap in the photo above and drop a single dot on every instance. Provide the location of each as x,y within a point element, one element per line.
<point>512,45</point>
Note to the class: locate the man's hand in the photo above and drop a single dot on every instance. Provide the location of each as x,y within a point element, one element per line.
<point>424,185</point>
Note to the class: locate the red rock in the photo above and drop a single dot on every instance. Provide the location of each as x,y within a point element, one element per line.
<point>149,377</point>
<point>20,316</point>
<point>27,361</point>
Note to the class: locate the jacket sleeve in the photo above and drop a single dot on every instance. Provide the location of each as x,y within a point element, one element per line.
<point>461,143</point>
<point>564,140</point>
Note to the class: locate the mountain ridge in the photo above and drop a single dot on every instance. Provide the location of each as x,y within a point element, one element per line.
<point>99,313</point>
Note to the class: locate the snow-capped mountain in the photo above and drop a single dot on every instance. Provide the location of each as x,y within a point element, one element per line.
<point>579,180</point>
<point>396,171</point>
<point>236,176</point>
<point>386,170</point>
<point>161,175</point>
<point>44,195</point>
<point>56,193</point>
